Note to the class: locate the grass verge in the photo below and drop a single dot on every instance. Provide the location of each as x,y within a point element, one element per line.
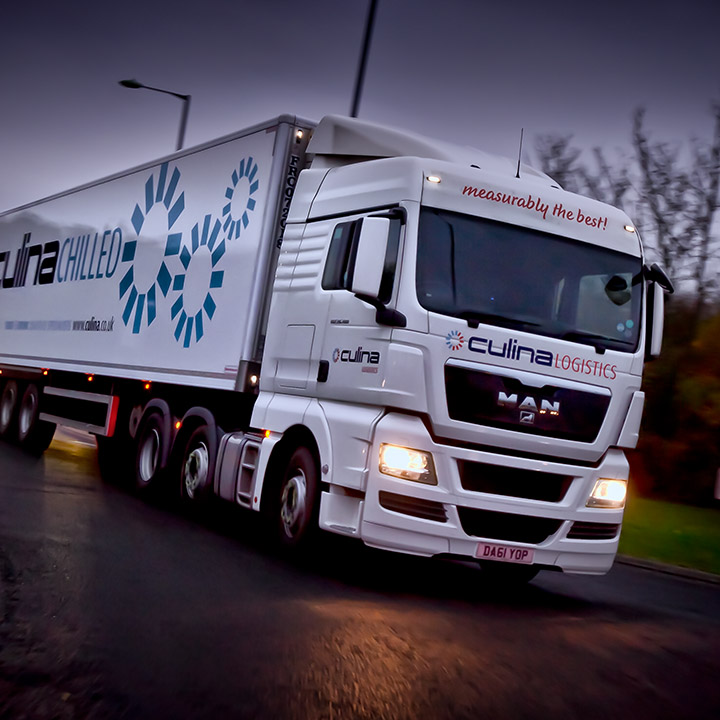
<point>672,533</point>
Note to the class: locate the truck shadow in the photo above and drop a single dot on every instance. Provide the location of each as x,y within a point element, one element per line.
<point>343,563</point>
<point>348,564</point>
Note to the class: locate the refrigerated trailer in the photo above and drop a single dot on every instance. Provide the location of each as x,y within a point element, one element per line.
<point>347,327</point>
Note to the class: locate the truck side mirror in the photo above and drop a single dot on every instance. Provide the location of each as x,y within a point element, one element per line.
<point>372,244</point>
<point>656,274</point>
<point>656,321</point>
<point>659,284</point>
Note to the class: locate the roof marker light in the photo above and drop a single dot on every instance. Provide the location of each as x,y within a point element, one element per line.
<point>433,179</point>
<point>630,228</point>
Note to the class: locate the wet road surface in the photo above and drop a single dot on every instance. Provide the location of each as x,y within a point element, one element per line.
<point>113,607</point>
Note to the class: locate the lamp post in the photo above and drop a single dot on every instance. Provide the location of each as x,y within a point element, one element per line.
<point>135,85</point>
<point>360,78</point>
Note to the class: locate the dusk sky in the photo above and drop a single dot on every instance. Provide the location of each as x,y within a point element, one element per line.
<point>467,71</point>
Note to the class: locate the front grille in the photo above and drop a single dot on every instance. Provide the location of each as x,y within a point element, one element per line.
<point>593,531</point>
<point>513,482</point>
<point>425,509</point>
<point>505,403</point>
<point>507,526</point>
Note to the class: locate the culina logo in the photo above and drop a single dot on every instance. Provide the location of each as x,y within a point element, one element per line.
<point>199,253</point>
<point>370,357</point>
<point>454,340</point>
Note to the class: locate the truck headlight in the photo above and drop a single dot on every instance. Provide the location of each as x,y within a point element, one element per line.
<point>408,464</point>
<point>608,494</point>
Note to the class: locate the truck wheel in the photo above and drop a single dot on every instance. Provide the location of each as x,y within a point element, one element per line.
<point>295,503</point>
<point>8,408</point>
<point>197,469</point>
<point>151,446</point>
<point>34,434</point>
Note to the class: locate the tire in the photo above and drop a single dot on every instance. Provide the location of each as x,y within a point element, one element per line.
<point>294,505</point>
<point>151,450</point>
<point>34,434</point>
<point>8,409</point>
<point>197,465</point>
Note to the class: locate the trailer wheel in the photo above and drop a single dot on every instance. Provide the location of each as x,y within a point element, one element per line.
<point>294,506</point>
<point>8,408</point>
<point>152,443</point>
<point>197,468</point>
<point>34,434</point>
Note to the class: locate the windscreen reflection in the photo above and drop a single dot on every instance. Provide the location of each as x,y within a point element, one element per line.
<point>490,272</point>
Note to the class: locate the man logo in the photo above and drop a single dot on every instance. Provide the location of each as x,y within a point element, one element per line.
<point>529,405</point>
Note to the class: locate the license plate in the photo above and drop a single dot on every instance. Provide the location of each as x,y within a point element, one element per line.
<point>504,553</point>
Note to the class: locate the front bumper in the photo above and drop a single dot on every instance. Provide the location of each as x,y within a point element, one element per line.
<point>456,515</point>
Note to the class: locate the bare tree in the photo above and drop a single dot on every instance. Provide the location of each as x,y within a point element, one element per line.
<point>679,202</point>
<point>558,158</point>
<point>704,188</point>
<point>607,184</point>
<point>663,188</point>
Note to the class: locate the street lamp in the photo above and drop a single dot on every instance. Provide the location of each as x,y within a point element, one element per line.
<point>360,78</point>
<point>135,85</point>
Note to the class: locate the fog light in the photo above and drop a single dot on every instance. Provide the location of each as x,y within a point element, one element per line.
<point>408,464</point>
<point>608,494</point>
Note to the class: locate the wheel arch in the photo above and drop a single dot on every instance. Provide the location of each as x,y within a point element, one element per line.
<point>295,436</point>
<point>191,420</point>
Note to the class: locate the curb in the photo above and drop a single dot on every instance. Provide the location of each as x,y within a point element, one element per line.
<point>654,565</point>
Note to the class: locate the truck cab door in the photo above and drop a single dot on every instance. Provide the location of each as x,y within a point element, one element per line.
<point>359,278</point>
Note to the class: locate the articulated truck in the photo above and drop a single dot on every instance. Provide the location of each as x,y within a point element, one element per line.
<point>349,328</point>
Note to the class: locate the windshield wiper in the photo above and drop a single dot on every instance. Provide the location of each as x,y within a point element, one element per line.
<point>474,318</point>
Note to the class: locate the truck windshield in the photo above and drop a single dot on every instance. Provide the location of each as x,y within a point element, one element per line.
<point>489,272</point>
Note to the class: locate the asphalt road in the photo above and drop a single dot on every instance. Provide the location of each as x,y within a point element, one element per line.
<point>112,607</point>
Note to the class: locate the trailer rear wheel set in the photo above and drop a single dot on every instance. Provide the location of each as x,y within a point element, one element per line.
<point>20,417</point>
<point>157,459</point>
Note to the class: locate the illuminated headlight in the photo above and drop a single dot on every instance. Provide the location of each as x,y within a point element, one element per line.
<point>608,494</point>
<point>407,464</point>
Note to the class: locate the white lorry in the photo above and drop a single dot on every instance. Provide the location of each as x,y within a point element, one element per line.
<point>349,327</point>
